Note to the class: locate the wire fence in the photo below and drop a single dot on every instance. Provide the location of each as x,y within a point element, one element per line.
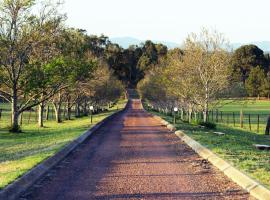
<point>249,121</point>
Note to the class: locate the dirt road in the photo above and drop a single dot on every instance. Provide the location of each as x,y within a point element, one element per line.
<point>134,157</point>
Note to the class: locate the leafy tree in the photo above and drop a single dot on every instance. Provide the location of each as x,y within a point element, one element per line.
<point>266,86</point>
<point>255,81</point>
<point>244,59</point>
<point>26,40</point>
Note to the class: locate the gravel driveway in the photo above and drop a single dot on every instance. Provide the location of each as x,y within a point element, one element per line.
<point>134,157</point>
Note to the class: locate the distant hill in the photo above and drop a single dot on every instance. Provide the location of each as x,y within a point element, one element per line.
<point>264,45</point>
<point>125,42</point>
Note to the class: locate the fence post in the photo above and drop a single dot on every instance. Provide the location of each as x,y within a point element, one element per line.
<point>249,122</point>
<point>258,123</point>
<point>241,119</point>
<point>216,115</point>
<point>47,113</point>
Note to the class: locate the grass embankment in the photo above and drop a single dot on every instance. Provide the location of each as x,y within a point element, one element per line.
<point>21,152</point>
<point>236,147</point>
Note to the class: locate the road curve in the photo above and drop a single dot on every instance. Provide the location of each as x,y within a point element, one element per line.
<point>134,157</point>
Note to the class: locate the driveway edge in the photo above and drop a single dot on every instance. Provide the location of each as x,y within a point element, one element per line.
<point>255,189</point>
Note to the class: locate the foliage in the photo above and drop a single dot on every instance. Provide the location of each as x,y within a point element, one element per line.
<point>190,79</point>
<point>255,81</point>
<point>209,125</point>
<point>244,59</point>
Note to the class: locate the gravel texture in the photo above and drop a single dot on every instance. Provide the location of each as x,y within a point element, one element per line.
<point>134,157</point>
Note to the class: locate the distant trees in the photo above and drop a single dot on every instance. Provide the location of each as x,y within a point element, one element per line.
<point>244,59</point>
<point>130,65</point>
<point>250,66</point>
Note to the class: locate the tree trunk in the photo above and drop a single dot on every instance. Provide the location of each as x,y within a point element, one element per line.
<point>267,126</point>
<point>85,108</point>
<point>15,112</point>
<point>206,105</point>
<point>189,114</point>
<point>68,110</point>
<point>47,113</point>
<point>57,111</point>
<point>78,111</point>
<point>40,114</point>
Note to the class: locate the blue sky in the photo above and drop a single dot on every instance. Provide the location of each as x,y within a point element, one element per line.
<point>171,20</point>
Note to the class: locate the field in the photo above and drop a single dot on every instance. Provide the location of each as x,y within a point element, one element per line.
<point>237,145</point>
<point>255,114</point>
<point>21,152</point>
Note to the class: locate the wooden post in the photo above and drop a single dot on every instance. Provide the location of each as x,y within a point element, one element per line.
<point>258,123</point>
<point>249,122</point>
<point>241,119</point>
<point>217,116</point>
<point>212,115</point>
<point>267,126</point>
<point>47,112</point>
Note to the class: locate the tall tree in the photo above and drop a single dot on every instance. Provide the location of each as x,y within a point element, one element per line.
<point>26,39</point>
<point>255,82</point>
<point>244,59</point>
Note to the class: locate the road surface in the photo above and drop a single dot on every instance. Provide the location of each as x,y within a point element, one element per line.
<point>134,157</point>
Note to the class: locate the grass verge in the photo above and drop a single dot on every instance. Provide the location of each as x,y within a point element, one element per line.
<point>236,147</point>
<point>21,152</point>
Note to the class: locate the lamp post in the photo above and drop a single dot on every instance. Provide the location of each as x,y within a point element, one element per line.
<point>91,113</point>
<point>175,109</point>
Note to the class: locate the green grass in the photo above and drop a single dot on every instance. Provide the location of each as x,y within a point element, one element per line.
<point>21,152</point>
<point>236,147</point>
<point>250,107</point>
<point>257,110</point>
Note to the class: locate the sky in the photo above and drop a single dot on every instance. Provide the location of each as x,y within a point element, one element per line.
<point>171,20</point>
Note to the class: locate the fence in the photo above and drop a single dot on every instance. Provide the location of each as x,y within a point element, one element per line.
<point>249,121</point>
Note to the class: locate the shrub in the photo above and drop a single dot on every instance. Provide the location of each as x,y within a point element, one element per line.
<point>209,125</point>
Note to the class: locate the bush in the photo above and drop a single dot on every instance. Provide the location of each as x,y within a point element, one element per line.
<point>209,125</point>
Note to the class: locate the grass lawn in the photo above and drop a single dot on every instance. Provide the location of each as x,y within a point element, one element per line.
<point>255,110</point>
<point>235,147</point>
<point>21,152</point>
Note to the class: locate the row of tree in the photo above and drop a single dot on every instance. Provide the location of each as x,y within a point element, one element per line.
<point>192,78</point>
<point>42,61</point>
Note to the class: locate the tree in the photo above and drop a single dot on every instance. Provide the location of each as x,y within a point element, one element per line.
<point>255,82</point>
<point>244,59</point>
<point>266,86</point>
<point>26,39</point>
<point>195,77</point>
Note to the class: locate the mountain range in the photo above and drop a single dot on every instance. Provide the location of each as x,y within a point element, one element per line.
<point>125,42</point>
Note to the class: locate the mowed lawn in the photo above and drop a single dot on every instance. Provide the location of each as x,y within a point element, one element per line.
<point>248,106</point>
<point>236,147</point>
<point>257,110</point>
<point>21,152</point>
